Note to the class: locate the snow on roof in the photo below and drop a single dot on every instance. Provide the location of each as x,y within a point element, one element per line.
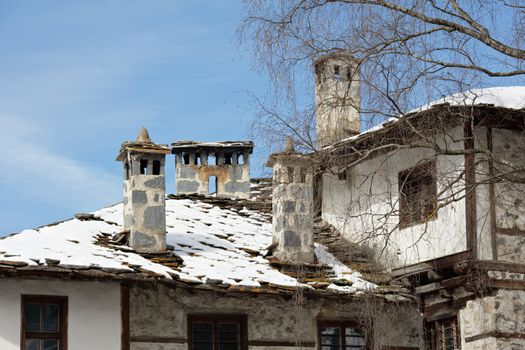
<point>217,245</point>
<point>504,96</point>
<point>512,97</point>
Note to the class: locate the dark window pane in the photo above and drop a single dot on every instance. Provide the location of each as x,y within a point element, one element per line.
<point>50,344</point>
<point>33,317</point>
<point>32,344</point>
<point>229,332</point>
<point>202,346</point>
<point>156,167</point>
<point>228,346</point>
<point>329,347</point>
<point>229,327</point>
<point>355,341</point>
<point>202,327</point>
<point>50,319</point>
<point>143,166</point>
<point>353,331</point>
<point>202,332</point>
<point>330,336</point>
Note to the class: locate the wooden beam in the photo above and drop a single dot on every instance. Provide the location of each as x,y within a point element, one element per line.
<point>277,343</point>
<point>154,339</point>
<point>124,314</point>
<point>510,232</point>
<point>448,283</point>
<point>470,190</point>
<point>500,335</point>
<point>436,264</point>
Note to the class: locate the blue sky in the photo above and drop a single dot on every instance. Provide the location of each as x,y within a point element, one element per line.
<point>79,77</point>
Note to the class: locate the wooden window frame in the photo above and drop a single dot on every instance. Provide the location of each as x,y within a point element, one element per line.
<point>415,174</point>
<point>62,302</point>
<point>436,341</point>
<point>216,318</point>
<point>344,324</point>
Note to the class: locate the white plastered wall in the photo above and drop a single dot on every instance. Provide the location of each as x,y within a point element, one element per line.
<point>94,320</point>
<point>364,207</point>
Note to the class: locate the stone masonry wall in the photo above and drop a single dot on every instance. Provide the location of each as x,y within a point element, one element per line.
<point>509,158</point>
<point>161,312</point>
<point>484,318</point>
<point>233,180</point>
<point>145,211</point>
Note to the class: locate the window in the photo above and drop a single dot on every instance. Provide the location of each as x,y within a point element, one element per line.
<point>341,336</point>
<point>417,194</point>
<point>228,158</point>
<point>44,322</point>
<point>143,166</point>
<point>156,167</point>
<point>349,73</point>
<point>337,73</point>
<point>186,158</point>
<point>443,334</point>
<point>212,160</point>
<point>212,184</point>
<point>217,332</point>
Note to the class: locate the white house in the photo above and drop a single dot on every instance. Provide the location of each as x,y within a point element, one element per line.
<point>418,243</point>
<point>438,195</point>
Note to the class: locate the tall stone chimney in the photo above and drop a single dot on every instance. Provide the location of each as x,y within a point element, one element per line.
<point>292,205</point>
<point>144,193</point>
<point>337,98</point>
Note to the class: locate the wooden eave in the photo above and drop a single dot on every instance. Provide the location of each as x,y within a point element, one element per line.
<point>404,131</point>
<point>438,264</point>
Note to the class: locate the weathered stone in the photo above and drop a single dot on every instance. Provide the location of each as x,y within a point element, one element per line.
<point>128,220</point>
<point>185,173</point>
<point>142,240</point>
<point>288,207</point>
<point>139,196</point>
<point>184,186</point>
<point>156,182</point>
<point>236,187</point>
<point>155,217</point>
<point>291,239</point>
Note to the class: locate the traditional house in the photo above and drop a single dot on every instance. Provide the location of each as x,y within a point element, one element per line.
<point>438,196</point>
<point>199,271</point>
<point>406,236</point>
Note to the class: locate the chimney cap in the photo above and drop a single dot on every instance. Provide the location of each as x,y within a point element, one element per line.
<point>289,154</point>
<point>142,144</point>
<point>289,147</point>
<point>143,136</point>
<point>340,55</point>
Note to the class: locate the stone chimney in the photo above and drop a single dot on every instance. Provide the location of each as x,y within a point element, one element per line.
<point>213,168</point>
<point>144,193</point>
<point>337,98</point>
<point>292,206</point>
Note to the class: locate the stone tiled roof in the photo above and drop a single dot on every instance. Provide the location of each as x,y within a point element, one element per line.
<point>214,243</point>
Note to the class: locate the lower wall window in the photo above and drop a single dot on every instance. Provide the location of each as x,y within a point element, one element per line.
<point>443,334</point>
<point>217,332</point>
<point>44,322</point>
<point>341,336</point>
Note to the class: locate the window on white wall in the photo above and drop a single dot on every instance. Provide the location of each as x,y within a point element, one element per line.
<point>417,194</point>
<point>44,322</point>
<point>443,334</point>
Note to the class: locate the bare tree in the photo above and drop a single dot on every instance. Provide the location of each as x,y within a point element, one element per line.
<point>409,52</point>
